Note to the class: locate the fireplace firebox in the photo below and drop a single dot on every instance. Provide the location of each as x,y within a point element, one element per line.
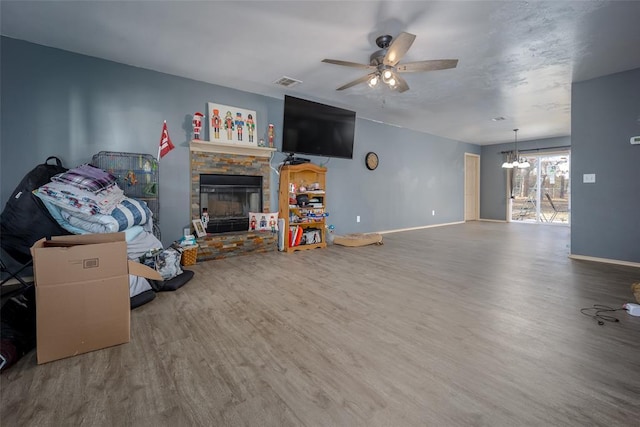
<point>229,199</point>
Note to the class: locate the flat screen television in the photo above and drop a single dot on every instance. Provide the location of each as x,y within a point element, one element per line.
<point>317,129</point>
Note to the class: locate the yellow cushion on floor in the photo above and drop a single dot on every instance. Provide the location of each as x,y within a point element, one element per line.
<point>635,288</point>
<point>358,239</point>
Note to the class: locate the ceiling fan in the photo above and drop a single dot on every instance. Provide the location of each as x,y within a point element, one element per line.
<point>384,63</point>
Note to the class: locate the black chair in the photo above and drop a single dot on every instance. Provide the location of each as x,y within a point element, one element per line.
<point>556,211</point>
<point>15,277</point>
<point>17,310</point>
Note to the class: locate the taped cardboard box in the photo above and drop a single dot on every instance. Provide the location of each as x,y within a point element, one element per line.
<point>82,293</point>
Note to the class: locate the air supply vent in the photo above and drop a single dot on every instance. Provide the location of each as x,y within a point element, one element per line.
<point>287,82</point>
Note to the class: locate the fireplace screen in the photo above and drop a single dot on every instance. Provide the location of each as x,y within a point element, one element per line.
<point>229,199</point>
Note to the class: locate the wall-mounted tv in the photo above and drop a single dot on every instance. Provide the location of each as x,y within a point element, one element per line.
<point>317,129</point>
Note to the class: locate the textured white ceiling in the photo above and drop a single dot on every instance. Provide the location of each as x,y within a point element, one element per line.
<point>517,59</point>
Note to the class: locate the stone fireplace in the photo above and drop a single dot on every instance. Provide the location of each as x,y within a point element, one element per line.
<point>236,169</point>
<point>228,200</point>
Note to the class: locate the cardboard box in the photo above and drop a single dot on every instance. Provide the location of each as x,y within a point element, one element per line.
<point>82,293</point>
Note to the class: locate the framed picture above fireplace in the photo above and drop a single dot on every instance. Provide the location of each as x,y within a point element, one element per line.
<point>232,124</point>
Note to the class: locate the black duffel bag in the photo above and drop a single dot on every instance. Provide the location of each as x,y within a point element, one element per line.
<point>25,219</point>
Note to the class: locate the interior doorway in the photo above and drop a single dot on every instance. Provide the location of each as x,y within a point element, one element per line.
<point>471,187</point>
<point>542,192</point>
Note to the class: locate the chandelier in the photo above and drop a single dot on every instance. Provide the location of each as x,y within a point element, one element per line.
<point>513,158</point>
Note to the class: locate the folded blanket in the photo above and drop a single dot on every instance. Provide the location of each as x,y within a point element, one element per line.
<point>72,198</point>
<point>87,178</point>
<point>56,213</point>
<point>127,214</point>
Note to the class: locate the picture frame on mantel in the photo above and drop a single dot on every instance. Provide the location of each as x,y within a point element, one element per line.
<point>232,125</point>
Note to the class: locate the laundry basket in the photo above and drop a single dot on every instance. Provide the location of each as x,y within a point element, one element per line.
<point>189,255</point>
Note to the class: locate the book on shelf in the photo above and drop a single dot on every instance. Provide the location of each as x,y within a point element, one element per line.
<point>295,235</point>
<point>292,235</point>
<point>299,231</point>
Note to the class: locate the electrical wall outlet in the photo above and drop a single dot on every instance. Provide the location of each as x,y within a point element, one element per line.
<point>358,218</point>
<point>589,178</point>
<point>433,213</point>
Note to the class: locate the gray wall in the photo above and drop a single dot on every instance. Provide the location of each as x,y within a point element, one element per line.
<point>73,106</point>
<point>605,216</point>
<point>493,179</point>
<point>418,173</point>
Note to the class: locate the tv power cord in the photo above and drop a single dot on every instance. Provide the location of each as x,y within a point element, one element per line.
<point>596,311</point>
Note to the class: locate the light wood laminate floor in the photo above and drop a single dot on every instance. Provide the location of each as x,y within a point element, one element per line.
<point>474,324</point>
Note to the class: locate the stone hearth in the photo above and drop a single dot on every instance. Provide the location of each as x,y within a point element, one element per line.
<point>223,245</point>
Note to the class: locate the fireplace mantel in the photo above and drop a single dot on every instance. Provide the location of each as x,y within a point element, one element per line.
<point>226,148</point>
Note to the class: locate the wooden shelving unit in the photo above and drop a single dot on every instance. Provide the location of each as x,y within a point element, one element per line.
<point>303,180</point>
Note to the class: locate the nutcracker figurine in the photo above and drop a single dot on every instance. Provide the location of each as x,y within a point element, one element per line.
<point>229,125</point>
<point>216,121</point>
<point>205,217</point>
<point>271,134</point>
<point>272,223</point>
<point>239,125</point>
<point>197,124</point>
<point>251,126</point>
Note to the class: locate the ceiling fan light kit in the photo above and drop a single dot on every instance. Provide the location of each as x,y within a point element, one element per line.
<point>385,63</point>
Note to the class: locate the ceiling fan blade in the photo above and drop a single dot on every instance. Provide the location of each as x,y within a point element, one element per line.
<point>432,65</point>
<point>402,85</point>
<point>356,82</point>
<point>347,63</point>
<point>399,46</point>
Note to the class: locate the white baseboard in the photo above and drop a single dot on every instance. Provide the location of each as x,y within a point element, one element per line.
<point>605,260</point>
<point>420,228</point>
<point>493,220</point>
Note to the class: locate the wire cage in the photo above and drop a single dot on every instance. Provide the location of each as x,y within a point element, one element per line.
<point>137,176</point>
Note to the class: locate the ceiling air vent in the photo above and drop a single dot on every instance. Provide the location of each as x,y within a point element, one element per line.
<point>287,81</point>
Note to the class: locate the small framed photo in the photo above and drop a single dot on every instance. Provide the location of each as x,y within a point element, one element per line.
<point>198,226</point>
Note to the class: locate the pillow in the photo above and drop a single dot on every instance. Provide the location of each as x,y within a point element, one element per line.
<point>263,221</point>
<point>131,212</point>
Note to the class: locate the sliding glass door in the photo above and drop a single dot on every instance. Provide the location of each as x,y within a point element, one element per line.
<point>541,193</point>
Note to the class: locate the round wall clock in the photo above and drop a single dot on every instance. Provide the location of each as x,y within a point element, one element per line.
<point>371,160</point>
